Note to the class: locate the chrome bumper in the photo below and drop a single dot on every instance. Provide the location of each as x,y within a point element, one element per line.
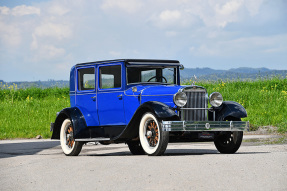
<point>205,125</point>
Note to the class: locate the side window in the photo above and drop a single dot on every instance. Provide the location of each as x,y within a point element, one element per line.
<point>86,79</point>
<point>110,77</point>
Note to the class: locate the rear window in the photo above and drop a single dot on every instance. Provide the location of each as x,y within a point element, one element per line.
<point>86,79</point>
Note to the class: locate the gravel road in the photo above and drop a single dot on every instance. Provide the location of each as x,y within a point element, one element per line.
<point>40,165</point>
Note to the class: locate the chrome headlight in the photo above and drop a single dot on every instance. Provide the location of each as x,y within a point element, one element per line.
<point>215,99</point>
<point>180,99</point>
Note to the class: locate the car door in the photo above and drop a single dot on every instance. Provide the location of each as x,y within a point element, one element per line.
<point>86,95</point>
<point>110,95</point>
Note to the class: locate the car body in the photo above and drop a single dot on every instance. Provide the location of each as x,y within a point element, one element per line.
<point>142,103</point>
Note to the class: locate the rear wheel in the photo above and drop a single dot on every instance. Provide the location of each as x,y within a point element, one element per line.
<point>229,142</point>
<point>69,146</point>
<point>152,138</point>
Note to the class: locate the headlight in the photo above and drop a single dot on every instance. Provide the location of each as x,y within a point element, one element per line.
<point>215,99</point>
<point>180,99</point>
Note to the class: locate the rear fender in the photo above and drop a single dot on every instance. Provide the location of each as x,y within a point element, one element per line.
<point>78,122</point>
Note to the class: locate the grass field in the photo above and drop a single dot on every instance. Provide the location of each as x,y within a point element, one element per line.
<point>26,113</point>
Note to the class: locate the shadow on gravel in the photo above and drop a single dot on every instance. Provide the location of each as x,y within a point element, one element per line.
<point>8,150</point>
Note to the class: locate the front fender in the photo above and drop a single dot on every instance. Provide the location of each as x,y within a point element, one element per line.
<point>229,109</point>
<point>161,111</point>
<point>78,122</point>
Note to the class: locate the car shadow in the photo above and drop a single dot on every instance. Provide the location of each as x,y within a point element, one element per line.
<point>8,150</point>
<point>25,148</point>
<point>170,152</point>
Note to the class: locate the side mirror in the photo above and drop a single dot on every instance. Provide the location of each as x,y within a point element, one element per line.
<point>181,67</point>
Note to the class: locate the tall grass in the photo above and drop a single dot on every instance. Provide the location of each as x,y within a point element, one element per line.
<point>26,113</point>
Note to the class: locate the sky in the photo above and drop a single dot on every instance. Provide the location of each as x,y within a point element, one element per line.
<point>43,39</point>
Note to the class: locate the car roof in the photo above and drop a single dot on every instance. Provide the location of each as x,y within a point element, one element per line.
<point>135,62</point>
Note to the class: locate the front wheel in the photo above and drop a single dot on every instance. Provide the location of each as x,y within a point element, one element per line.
<point>152,138</point>
<point>69,146</point>
<point>228,142</point>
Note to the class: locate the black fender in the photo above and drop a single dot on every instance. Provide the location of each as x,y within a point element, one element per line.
<point>160,110</point>
<point>228,109</point>
<point>78,122</point>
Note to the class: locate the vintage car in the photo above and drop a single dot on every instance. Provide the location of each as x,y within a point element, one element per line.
<point>141,103</point>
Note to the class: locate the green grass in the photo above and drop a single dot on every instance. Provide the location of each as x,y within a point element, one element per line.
<point>26,113</point>
<point>29,112</point>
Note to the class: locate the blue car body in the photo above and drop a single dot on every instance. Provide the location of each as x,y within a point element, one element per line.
<point>100,112</point>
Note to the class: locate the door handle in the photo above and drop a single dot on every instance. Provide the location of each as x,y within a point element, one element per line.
<point>120,96</point>
<point>94,97</point>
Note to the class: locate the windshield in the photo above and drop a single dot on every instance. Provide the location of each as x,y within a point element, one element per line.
<point>151,74</point>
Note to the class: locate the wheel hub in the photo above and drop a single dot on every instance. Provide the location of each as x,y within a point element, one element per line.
<point>152,133</point>
<point>69,137</point>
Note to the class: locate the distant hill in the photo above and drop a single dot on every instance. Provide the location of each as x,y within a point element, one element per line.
<point>38,84</point>
<point>243,73</point>
<point>202,74</point>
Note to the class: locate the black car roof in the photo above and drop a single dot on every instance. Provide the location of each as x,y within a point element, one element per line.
<point>135,62</point>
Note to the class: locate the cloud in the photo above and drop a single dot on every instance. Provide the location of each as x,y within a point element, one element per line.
<point>170,16</point>
<point>10,35</point>
<point>237,47</point>
<point>57,9</point>
<point>253,6</point>
<point>4,10</point>
<point>55,30</point>
<point>128,6</point>
<point>20,10</point>
<point>58,34</point>
<point>228,8</point>
<point>25,10</point>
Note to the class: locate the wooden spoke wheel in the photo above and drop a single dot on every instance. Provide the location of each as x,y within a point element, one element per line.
<point>152,138</point>
<point>69,146</point>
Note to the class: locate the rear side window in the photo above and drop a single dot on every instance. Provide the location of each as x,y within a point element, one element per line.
<point>86,79</point>
<point>110,77</point>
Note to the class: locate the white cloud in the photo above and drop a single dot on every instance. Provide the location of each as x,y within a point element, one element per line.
<point>129,6</point>
<point>25,10</point>
<point>10,35</point>
<point>253,6</point>
<point>170,16</point>
<point>229,7</point>
<point>62,33</point>
<point>171,33</point>
<point>58,10</point>
<point>58,31</point>
<point>4,10</point>
<point>47,52</point>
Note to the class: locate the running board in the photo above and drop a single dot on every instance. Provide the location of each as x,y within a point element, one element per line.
<point>93,139</point>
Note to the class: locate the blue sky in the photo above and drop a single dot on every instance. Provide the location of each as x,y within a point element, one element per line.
<point>41,40</point>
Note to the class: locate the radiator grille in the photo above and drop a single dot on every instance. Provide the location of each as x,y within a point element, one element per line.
<point>196,98</point>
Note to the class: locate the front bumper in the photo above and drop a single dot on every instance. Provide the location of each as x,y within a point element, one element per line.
<point>205,125</point>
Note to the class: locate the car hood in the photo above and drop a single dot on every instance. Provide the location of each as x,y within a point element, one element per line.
<point>160,90</point>
<point>152,90</point>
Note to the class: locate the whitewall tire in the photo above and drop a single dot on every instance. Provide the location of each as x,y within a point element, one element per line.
<point>69,146</point>
<point>152,138</point>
